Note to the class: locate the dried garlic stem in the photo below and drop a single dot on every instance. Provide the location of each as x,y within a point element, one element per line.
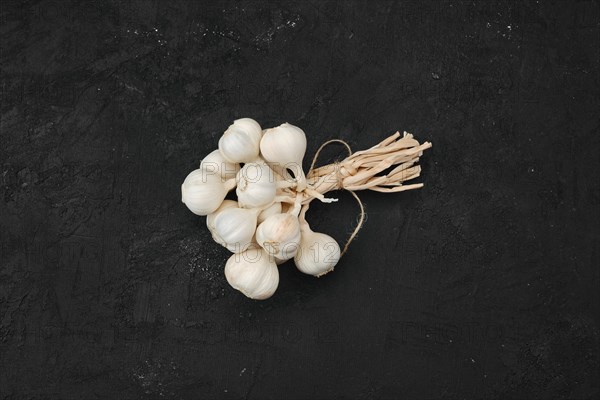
<point>359,171</point>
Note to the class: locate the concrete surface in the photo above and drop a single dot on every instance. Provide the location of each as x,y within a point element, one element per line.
<point>484,284</point>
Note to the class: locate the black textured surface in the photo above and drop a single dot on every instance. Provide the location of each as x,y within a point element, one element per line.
<point>483,284</point>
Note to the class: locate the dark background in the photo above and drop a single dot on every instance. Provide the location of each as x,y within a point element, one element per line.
<point>483,284</point>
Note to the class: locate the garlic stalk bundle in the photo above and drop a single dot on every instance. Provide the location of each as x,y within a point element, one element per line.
<point>318,253</point>
<point>279,235</point>
<point>256,186</point>
<point>273,209</point>
<point>253,272</point>
<point>285,146</point>
<point>217,163</point>
<point>274,193</point>
<point>234,228</point>
<point>241,141</point>
<point>203,191</point>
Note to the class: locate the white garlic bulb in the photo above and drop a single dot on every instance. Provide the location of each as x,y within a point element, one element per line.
<point>253,272</point>
<point>273,209</point>
<point>241,141</point>
<point>285,146</point>
<point>256,185</point>
<point>279,235</point>
<point>224,206</point>
<point>318,253</point>
<point>217,163</point>
<point>234,228</point>
<point>203,191</point>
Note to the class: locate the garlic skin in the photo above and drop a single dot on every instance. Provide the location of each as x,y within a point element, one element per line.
<point>318,253</point>
<point>285,146</point>
<point>279,235</point>
<point>256,185</point>
<point>224,206</point>
<point>241,141</point>
<point>279,261</point>
<point>234,228</point>
<point>253,273</point>
<point>273,209</point>
<point>217,163</point>
<point>203,191</point>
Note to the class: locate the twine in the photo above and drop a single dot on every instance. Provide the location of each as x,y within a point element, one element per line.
<point>340,185</point>
<point>359,171</point>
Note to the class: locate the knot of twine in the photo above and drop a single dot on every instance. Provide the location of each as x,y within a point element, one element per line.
<point>342,171</point>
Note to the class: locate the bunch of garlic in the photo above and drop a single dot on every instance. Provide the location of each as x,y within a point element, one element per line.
<point>263,226</point>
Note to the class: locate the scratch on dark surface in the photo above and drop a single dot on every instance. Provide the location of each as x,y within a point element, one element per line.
<point>255,378</point>
<point>403,234</point>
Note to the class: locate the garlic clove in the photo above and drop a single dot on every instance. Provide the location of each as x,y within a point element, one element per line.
<point>273,209</point>
<point>217,163</point>
<point>203,191</point>
<point>224,206</point>
<point>285,146</point>
<point>234,228</point>
<point>241,141</point>
<point>279,235</point>
<point>318,253</point>
<point>256,186</point>
<point>253,272</point>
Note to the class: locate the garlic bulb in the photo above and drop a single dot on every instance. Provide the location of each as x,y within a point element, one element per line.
<point>234,228</point>
<point>217,163</point>
<point>273,209</point>
<point>253,272</point>
<point>256,185</point>
<point>203,191</point>
<point>285,146</point>
<point>318,253</point>
<point>224,206</point>
<point>279,235</point>
<point>241,141</point>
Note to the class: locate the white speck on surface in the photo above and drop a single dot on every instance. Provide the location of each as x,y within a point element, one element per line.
<point>242,371</point>
<point>267,36</point>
